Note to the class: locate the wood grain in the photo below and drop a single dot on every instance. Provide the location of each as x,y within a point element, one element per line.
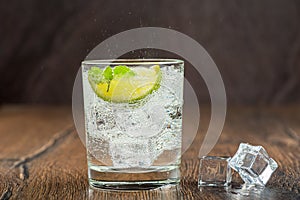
<point>42,157</point>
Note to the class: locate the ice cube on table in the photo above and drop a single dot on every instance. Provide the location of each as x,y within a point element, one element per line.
<point>214,171</point>
<point>253,164</point>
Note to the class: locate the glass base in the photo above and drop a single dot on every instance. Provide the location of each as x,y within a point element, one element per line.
<point>133,179</point>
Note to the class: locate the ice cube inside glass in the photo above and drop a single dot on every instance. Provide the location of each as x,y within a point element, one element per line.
<point>133,122</point>
<point>214,171</point>
<point>253,164</point>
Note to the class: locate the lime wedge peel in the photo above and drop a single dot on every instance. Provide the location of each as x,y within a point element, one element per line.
<point>122,84</point>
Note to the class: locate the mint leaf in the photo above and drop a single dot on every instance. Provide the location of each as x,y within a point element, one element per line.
<point>95,75</point>
<point>108,76</point>
<point>120,70</point>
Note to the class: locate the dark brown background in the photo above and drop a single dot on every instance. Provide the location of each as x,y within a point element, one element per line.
<point>255,44</point>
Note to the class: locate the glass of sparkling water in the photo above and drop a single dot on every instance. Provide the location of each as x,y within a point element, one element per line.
<point>133,122</point>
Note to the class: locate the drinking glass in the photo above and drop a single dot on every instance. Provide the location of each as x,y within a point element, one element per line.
<point>133,122</point>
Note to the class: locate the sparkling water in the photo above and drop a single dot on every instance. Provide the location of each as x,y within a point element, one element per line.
<point>138,138</point>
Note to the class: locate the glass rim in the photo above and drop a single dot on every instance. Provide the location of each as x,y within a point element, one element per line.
<point>139,61</point>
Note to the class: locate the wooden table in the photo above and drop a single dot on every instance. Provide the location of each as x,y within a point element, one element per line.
<point>42,157</point>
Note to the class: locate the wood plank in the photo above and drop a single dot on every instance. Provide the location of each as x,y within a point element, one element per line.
<point>46,159</point>
<point>27,127</point>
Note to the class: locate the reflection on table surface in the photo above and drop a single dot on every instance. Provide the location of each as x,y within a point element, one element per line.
<point>166,192</point>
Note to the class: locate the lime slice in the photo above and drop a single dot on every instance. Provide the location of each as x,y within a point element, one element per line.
<point>125,85</point>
